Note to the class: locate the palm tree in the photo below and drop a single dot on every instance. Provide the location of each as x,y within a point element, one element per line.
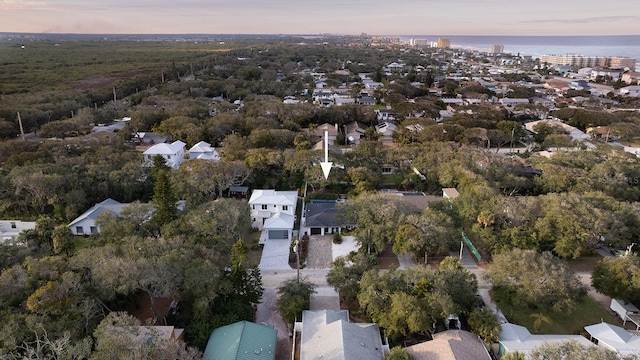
<point>538,319</point>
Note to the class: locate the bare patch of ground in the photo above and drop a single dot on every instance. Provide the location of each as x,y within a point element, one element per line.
<point>388,259</point>
<point>141,309</point>
<point>102,81</point>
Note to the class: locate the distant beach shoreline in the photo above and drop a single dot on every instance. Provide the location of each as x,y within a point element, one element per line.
<point>601,45</point>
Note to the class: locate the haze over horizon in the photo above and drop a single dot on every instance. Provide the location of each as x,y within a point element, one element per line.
<point>401,17</point>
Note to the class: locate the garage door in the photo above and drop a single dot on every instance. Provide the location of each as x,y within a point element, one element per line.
<point>278,234</point>
<point>316,231</point>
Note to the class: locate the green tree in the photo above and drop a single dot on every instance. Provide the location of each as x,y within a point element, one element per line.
<point>618,277</point>
<point>63,240</point>
<point>164,200</point>
<point>377,217</point>
<point>574,350</point>
<point>295,296</point>
<point>346,272</point>
<point>398,353</point>
<point>485,324</point>
<point>537,281</point>
<point>429,232</point>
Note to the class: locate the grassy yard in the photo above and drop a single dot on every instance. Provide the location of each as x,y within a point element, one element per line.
<point>254,252</point>
<point>588,312</point>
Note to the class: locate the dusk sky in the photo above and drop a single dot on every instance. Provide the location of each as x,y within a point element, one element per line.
<point>388,17</point>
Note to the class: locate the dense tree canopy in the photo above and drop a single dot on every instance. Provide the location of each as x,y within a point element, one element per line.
<point>536,280</point>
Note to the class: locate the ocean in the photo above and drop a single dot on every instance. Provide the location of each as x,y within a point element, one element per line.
<point>604,45</point>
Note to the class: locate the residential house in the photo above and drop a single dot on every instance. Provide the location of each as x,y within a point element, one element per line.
<point>517,338</point>
<point>614,338</point>
<point>579,85</point>
<point>633,91</point>
<point>385,115</point>
<point>631,77</point>
<point>343,99</point>
<point>10,229</point>
<point>329,335</point>
<point>274,212</point>
<point>386,129</point>
<point>354,132</point>
<point>367,100</point>
<point>450,193</point>
<point>320,218</point>
<point>511,103</point>
<point>450,345</point>
<point>559,86</point>
<point>544,102</point>
<point>238,192</point>
<point>242,340</point>
<point>85,224</point>
<point>173,154</point>
<point>453,101</point>
<point>150,138</point>
<point>203,150</point>
<point>290,100</point>
<point>332,133</point>
<point>613,74</point>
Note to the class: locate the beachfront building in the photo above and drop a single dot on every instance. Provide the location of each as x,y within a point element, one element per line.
<point>582,61</point>
<point>497,49</point>
<point>444,43</point>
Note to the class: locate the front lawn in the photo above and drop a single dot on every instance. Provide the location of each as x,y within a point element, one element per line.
<point>587,312</point>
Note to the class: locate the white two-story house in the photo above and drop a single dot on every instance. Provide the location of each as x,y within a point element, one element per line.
<point>173,154</point>
<point>203,150</point>
<point>273,212</point>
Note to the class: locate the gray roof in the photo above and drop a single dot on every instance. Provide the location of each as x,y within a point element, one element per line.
<point>322,215</point>
<point>97,209</point>
<point>328,335</point>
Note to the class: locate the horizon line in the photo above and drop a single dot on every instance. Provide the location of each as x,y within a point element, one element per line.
<point>306,34</point>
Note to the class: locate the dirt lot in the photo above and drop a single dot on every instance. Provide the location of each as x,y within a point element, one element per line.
<point>387,259</point>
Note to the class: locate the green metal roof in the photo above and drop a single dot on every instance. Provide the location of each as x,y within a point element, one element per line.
<point>242,341</point>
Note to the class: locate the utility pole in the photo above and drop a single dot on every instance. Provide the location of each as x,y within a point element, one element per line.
<point>114,94</point>
<point>461,247</point>
<point>21,129</point>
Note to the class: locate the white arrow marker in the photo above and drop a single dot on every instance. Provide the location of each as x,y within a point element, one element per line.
<point>326,164</point>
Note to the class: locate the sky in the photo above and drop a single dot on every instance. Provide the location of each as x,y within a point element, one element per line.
<point>349,17</point>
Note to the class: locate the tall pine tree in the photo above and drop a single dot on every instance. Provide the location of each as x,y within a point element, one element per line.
<point>164,200</point>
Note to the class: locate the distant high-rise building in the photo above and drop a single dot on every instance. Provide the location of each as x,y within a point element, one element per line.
<point>497,49</point>
<point>419,42</point>
<point>444,43</point>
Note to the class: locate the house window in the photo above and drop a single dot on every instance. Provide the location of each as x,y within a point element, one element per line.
<point>253,207</point>
<point>79,230</point>
<point>264,207</point>
<point>13,225</point>
<point>285,208</point>
<point>387,170</point>
<point>168,157</point>
<point>93,229</point>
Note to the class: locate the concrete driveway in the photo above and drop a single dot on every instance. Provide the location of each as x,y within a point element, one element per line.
<point>275,255</point>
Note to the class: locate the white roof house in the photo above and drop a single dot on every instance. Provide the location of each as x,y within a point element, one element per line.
<point>614,338</point>
<point>633,90</point>
<point>329,335</point>
<point>10,229</point>
<point>274,211</point>
<point>203,150</point>
<point>85,224</point>
<point>517,338</point>
<point>172,153</point>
